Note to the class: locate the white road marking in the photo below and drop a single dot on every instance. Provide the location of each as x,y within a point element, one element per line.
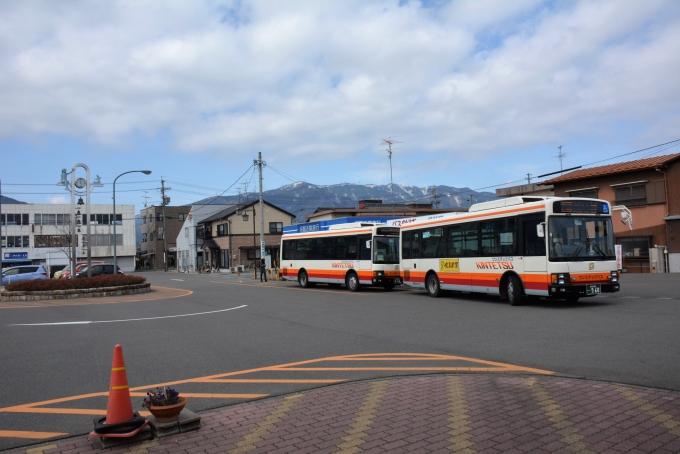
<point>181,280</point>
<point>664,298</point>
<point>87,322</point>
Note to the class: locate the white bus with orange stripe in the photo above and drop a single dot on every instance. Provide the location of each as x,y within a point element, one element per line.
<point>352,253</point>
<point>517,247</point>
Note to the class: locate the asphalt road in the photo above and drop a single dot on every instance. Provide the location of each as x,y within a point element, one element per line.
<point>231,324</point>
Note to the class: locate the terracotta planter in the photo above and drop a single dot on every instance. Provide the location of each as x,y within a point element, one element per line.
<point>169,413</point>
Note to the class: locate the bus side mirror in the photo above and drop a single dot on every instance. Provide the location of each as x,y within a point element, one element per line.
<point>540,232</point>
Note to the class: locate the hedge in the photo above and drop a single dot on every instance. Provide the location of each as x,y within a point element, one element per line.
<point>106,280</point>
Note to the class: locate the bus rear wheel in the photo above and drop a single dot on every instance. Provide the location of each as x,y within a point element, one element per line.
<point>303,280</point>
<point>352,282</point>
<point>514,291</point>
<point>432,286</point>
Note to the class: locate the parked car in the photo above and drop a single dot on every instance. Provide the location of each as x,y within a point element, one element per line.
<point>23,273</point>
<point>79,267</point>
<point>54,269</point>
<point>98,270</point>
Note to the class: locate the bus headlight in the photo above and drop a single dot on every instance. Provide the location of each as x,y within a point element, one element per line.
<point>377,274</point>
<point>614,276</point>
<point>560,278</point>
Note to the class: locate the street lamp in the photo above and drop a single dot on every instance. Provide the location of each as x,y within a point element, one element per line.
<point>115,257</point>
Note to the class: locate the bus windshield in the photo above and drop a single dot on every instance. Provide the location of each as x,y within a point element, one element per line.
<point>386,249</point>
<point>578,238</point>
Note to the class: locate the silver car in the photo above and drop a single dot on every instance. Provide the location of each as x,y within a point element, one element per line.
<point>23,273</point>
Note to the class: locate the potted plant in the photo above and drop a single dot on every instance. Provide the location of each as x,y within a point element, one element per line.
<point>165,404</point>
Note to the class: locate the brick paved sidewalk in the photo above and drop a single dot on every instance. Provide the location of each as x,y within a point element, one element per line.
<point>439,413</point>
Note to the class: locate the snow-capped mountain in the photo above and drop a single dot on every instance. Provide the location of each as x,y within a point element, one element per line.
<point>302,199</point>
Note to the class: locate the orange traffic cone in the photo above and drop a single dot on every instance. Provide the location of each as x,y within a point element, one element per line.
<point>120,420</point>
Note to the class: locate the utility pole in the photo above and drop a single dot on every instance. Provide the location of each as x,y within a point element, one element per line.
<point>389,143</point>
<point>259,163</point>
<point>435,197</point>
<point>470,197</point>
<point>164,201</point>
<point>561,155</point>
<point>528,178</point>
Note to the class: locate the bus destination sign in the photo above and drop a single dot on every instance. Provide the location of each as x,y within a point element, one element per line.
<point>387,231</point>
<point>581,206</point>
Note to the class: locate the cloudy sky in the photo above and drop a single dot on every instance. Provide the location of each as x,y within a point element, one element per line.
<point>475,93</point>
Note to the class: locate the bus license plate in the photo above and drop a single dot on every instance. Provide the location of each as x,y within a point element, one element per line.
<point>593,289</point>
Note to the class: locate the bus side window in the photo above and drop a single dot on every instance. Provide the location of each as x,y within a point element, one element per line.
<point>471,233</point>
<point>456,242</point>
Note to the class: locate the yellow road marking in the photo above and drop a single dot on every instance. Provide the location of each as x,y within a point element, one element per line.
<point>565,428</point>
<point>459,420</point>
<point>363,420</point>
<point>298,366</point>
<point>261,380</point>
<point>263,428</point>
<point>665,420</point>
<point>28,434</point>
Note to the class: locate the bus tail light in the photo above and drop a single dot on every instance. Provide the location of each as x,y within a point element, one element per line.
<point>560,278</point>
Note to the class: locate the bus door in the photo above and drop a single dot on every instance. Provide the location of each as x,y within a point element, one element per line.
<point>533,246</point>
<point>410,257</point>
<point>365,269</point>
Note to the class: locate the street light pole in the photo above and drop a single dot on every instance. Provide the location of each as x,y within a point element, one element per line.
<point>115,256</point>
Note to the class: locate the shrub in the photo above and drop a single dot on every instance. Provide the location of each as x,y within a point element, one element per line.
<point>106,280</point>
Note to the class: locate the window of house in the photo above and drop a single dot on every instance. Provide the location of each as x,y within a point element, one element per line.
<point>143,219</point>
<point>251,254</point>
<point>631,195</point>
<point>186,232</point>
<point>15,241</point>
<point>150,236</point>
<point>14,219</point>
<point>159,217</point>
<point>222,229</point>
<point>182,217</point>
<point>200,231</point>
<point>52,240</point>
<point>275,227</point>
<point>634,247</point>
<point>161,233</point>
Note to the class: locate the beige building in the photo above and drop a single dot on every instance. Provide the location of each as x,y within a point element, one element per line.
<point>232,236</point>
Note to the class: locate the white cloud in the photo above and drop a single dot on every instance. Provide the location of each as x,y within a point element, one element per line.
<point>322,79</point>
<point>58,199</point>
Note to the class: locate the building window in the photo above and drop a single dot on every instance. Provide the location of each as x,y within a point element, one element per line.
<point>159,217</point>
<point>143,219</point>
<point>200,232</point>
<point>585,193</point>
<point>182,217</point>
<point>14,219</point>
<point>52,240</point>
<point>251,254</point>
<point>634,247</point>
<point>223,229</point>
<point>150,236</point>
<point>105,239</point>
<point>15,241</point>
<point>186,232</point>
<point>161,233</point>
<point>631,195</point>
<point>275,227</point>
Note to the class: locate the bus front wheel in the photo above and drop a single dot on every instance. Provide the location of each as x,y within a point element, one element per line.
<point>514,291</point>
<point>432,286</point>
<point>353,282</point>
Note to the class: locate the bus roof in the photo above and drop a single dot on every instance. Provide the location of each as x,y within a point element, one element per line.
<point>507,206</point>
<point>322,226</point>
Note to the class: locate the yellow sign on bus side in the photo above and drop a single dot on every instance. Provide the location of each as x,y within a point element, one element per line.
<point>448,266</point>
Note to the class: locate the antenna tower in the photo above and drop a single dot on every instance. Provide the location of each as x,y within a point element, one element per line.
<point>561,155</point>
<point>389,141</point>
<point>435,197</point>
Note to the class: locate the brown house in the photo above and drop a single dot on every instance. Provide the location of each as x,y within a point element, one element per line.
<point>232,236</point>
<point>158,234</point>
<point>650,188</point>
